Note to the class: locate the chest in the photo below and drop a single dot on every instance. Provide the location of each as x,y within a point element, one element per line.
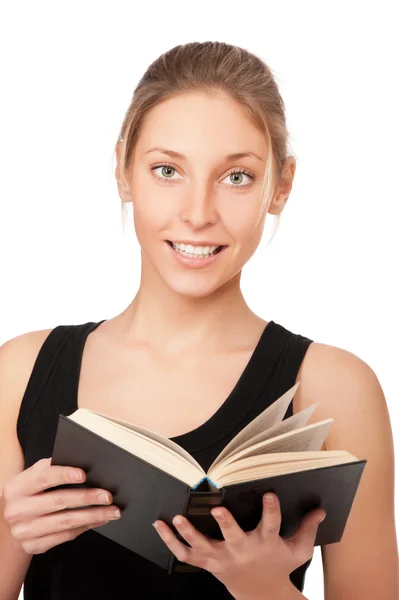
<point>169,396</point>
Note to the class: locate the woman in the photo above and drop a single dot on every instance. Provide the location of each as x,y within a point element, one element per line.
<point>202,157</point>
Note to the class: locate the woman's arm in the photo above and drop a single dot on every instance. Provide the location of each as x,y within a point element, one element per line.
<point>364,564</point>
<point>16,362</point>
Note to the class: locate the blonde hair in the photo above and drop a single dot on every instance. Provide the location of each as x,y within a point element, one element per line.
<point>212,66</point>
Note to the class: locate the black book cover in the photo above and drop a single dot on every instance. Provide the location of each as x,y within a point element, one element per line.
<point>145,493</point>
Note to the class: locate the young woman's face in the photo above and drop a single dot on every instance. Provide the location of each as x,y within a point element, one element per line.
<point>197,199</point>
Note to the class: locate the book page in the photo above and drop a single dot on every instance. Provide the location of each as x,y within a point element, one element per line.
<point>271,416</point>
<point>152,435</point>
<point>139,445</point>
<point>307,439</point>
<point>296,421</point>
<point>273,469</point>
<point>283,458</point>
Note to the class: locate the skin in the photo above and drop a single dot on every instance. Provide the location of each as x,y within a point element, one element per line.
<point>204,309</point>
<point>199,204</point>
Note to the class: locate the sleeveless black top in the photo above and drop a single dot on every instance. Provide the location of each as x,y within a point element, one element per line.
<point>91,565</point>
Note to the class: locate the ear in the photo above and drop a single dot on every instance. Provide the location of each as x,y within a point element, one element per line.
<point>284,187</point>
<point>123,188</point>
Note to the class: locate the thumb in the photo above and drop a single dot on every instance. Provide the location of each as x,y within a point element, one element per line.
<point>306,533</point>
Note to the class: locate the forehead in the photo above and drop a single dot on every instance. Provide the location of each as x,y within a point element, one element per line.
<point>189,122</point>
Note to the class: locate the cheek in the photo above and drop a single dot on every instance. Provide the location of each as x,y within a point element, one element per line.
<point>242,227</point>
<point>151,217</point>
<point>150,204</point>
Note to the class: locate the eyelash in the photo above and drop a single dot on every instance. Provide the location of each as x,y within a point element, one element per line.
<point>167,180</point>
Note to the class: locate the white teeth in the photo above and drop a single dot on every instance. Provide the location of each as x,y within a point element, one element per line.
<point>196,250</point>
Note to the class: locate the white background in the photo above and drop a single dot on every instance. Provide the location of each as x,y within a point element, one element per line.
<point>330,273</point>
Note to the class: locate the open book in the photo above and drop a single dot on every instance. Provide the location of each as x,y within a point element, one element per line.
<point>152,475</point>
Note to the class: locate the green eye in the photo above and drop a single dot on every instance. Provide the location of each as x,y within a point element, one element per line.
<point>167,175</point>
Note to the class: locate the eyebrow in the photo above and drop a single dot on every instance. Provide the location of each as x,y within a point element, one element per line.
<point>174,154</point>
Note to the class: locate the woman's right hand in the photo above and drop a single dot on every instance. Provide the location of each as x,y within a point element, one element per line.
<point>37,519</point>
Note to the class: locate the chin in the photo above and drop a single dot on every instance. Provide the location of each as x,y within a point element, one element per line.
<point>193,289</point>
<point>199,283</point>
<point>191,283</point>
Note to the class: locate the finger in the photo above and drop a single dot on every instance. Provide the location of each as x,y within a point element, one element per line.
<point>62,521</point>
<point>194,537</point>
<point>42,476</point>
<point>270,523</point>
<point>231,531</point>
<point>41,504</point>
<point>182,552</point>
<point>305,535</point>
<point>44,543</point>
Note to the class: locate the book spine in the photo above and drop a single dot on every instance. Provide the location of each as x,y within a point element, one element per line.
<point>201,502</point>
<point>198,510</point>
<point>203,481</point>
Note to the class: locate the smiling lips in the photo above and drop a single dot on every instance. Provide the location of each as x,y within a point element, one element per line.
<point>197,251</point>
<point>195,256</point>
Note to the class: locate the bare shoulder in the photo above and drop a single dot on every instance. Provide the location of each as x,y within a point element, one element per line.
<point>347,390</point>
<point>17,358</point>
<point>322,364</point>
<point>345,387</point>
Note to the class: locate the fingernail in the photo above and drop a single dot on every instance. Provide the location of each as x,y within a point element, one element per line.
<point>269,498</point>
<point>116,514</point>
<point>156,525</point>
<point>322,518</point>
<point>104,497</point>
<point>218,514</point>
<point>180,523</point>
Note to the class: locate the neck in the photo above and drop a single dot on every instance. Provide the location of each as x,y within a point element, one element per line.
<point>172,321</point>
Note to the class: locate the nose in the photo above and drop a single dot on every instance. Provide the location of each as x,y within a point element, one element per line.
<point>199,207</point>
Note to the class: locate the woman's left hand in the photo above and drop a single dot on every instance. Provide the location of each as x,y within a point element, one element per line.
<point>250,564</point>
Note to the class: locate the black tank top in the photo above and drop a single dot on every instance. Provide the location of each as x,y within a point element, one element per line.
<point>91,565</point>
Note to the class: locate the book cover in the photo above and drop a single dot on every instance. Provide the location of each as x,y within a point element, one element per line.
<point>146,493</point>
